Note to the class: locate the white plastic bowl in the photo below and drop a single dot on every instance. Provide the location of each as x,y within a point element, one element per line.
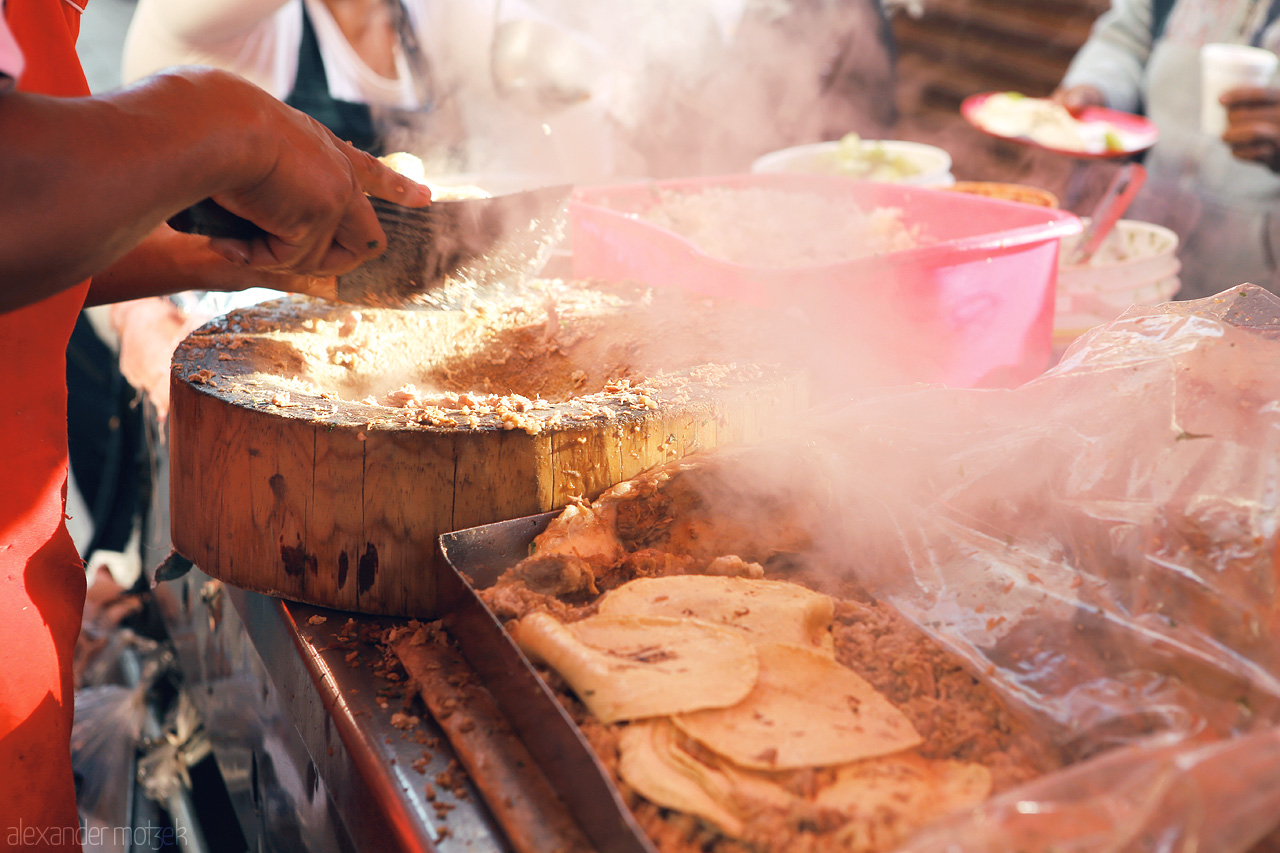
<point>932,163</point>
<point>1136,265</point>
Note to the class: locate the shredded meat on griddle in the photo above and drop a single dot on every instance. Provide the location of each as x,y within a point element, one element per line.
<point>667,523</point>
<point>564,575</point>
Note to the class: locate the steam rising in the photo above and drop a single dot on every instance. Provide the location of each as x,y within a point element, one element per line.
<point>1099,544</point>
<point>581,91</point>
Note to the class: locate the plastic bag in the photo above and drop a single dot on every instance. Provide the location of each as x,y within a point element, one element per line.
<point>163,772</point>
<point>1101,545</point>
<point>108,732</point>
<point>104,745</point>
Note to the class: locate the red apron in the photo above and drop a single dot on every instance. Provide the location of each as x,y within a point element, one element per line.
<point>42,582</point>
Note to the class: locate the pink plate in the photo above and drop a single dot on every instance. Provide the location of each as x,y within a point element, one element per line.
<point>1137,133</point>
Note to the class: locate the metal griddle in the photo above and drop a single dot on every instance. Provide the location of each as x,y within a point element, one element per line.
<point>475,558</point>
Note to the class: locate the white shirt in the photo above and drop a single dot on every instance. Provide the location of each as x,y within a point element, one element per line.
<point>259,41</point>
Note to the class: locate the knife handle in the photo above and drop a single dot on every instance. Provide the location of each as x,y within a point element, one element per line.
<point>210,219</point>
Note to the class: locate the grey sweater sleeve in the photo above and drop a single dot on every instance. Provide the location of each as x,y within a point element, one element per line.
<point>1114,57</point>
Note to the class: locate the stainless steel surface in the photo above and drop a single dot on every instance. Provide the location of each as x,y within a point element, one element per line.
<point>475,559</point>
<point>302,737</point>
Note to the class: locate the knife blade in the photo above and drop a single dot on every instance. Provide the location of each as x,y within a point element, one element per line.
<point>434,251</point>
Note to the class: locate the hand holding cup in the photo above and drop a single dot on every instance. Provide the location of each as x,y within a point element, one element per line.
<point>1253,125</point>
<point>1227,67</point>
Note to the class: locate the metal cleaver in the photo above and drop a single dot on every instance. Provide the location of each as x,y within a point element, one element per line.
<point>452,243</point>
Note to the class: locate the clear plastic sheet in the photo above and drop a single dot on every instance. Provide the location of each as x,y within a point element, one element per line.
<point>1101,545</point>
<point>163,771</point>
<point>107,733</point>
<point>104,745</point>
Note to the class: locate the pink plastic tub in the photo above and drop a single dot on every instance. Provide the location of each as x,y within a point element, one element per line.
<point>973,307</point>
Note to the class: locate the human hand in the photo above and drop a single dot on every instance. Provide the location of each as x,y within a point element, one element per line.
<point>1253,125</point>
<point>300,183</point>
<point>1078,98</point>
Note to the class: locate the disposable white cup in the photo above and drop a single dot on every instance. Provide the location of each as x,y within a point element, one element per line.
<point>1224,67</point>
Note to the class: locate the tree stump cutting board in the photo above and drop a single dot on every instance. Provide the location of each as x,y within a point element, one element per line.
<point>317,452</point>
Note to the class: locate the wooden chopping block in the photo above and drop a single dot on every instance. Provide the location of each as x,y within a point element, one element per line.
<point>304,466</point>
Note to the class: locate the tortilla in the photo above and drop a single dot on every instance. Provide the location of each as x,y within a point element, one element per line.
<point>632,667</point>
<point>650,760</point>
<point>883,800</point>
<point>806,710</point>
<point>914,786</point>
<point>767,612</point>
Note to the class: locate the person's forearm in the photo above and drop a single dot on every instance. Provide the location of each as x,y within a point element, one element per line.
<point>166,262</point>
<point>99,174</point>
<point>169,262</point>
<point>1113,59</point>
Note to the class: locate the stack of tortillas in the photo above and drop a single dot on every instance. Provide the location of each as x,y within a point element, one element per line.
<point>729,683</point>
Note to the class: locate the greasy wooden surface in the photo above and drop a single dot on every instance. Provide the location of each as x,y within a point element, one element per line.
<point>329,505</point>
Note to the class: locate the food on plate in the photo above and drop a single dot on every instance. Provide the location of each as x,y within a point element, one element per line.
<point>1047,123</point>
<point>765,611</point>
<point>633,667</point>
<point>857,730</point>
<point>780,228</point>
<point>806,710</point>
